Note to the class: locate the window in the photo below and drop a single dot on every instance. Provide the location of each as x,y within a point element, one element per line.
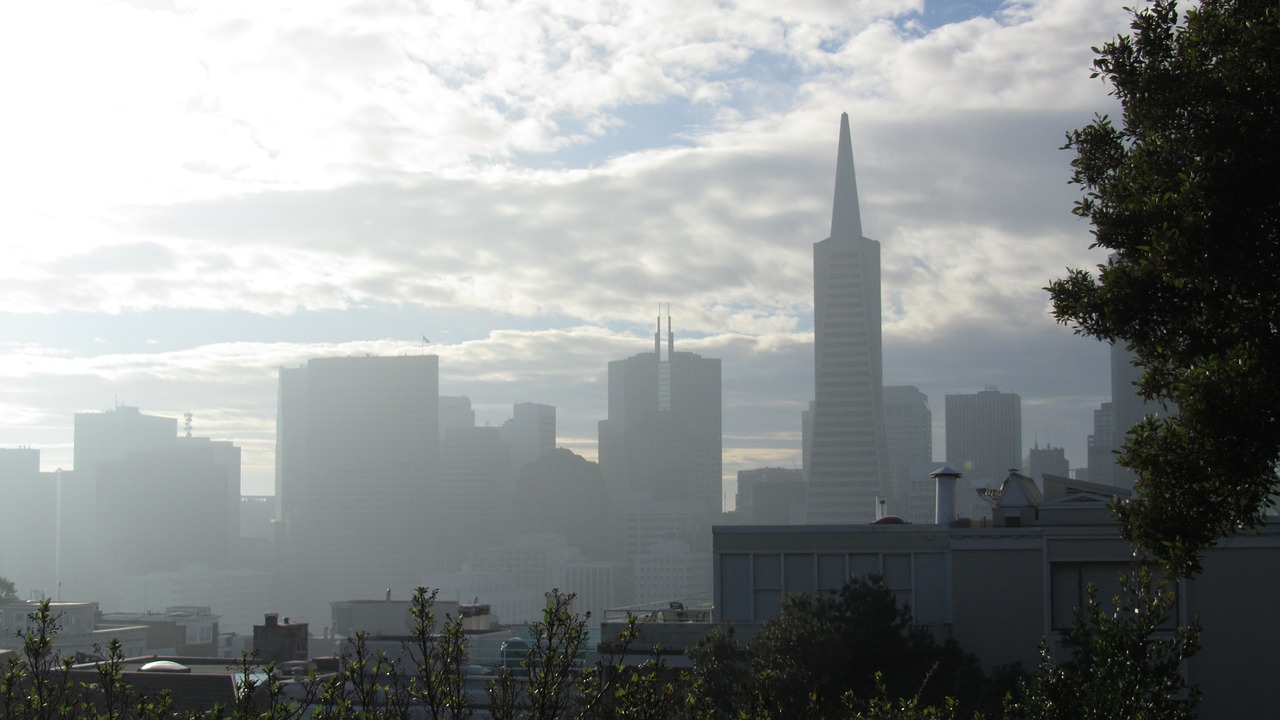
<point>1069,582</point>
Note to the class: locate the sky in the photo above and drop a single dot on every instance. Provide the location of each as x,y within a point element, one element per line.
<point>195,194</point>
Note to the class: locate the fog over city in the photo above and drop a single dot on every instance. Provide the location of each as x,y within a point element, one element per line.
<point>197,195</point>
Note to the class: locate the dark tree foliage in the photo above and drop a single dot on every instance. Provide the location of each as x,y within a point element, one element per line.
<point>833,655</point>
<point>1185,193</point>
<point>1126,660</point>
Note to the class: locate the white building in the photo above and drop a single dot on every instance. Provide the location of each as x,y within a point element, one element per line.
<point>845,452</point>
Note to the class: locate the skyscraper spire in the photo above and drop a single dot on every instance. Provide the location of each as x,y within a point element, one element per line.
<point>845,456</point>
<point>846,220</point>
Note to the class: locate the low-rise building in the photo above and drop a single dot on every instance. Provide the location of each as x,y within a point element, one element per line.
<point>998,590</point>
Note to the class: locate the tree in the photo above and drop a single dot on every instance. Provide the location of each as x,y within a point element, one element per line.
<point>7,588</point>
<point>1185,193</point>
<point>830,655</point>
<point>439,682</point>
<point>1126,662</point>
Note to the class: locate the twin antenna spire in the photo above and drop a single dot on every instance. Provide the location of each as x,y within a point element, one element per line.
<point>657,336</point>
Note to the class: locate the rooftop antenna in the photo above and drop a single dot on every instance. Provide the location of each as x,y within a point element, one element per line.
<point>671,334</point>
<point>186,423</point>
<point>657,335</point>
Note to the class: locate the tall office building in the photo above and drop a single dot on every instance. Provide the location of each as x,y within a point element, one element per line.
<point>1128,408</point>
<point>356,451</point>
<point>101,437</point>
<point>530,433</point>
<point>662,440</point>
<point>908,427</point>
<point>1048,460</point>
<point>770,496</point>
<point>28,526</point>
<point>1102,461</point>
<point>984,435</point>
<point>846,460</point>
<point>660,458</point>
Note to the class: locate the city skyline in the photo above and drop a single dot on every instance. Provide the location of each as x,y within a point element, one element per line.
<point>243,202</point>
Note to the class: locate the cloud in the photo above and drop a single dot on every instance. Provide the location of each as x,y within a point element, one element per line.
<point>475,162</point>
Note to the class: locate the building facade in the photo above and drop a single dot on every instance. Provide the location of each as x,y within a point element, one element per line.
<point>660,452</point>
<point>908,428</point>
<point>356,458</point>
<point>984,441</point>
<point>846,460</point>
<point>999,590</point>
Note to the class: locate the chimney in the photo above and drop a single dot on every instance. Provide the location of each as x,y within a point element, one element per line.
<point>944,508</point>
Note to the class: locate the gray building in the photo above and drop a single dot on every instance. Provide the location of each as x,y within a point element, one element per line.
<point>908,429</point>
<point>530,433</point>
<point>356,459</point>
<point>999,590</point>
<point>770,496</point>
<point>845,460</point>
<point>660,458</point>
<point>28,526</point>
<point>1048,460</point>
<point>984,439</point>
<point>100,437</point>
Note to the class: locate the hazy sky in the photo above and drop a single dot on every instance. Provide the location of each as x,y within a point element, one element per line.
<point>195,194</point>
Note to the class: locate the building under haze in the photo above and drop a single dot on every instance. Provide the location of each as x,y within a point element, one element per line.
<point>27,522</point>
<point>1126,409</point>
<point>660,457</point>
<point>356,454</point>
<point>846,462</point>
<point>1048,460</point>
<point>100,437</point>
<point>984,439</point>
<point>770,496</point>
<point>908,427</point>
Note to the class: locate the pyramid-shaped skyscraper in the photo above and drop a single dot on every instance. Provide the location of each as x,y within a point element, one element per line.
<point>845,452</point>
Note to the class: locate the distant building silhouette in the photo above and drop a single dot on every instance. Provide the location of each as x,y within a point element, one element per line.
<point>530,434</point>
<point>100,437</point>
<point>660,455</point>
<point>1127,408</point>
<point>846,459</point>
<point>770,496</point>
<point>908,427</point>
<point>356,457</point>
<point>168,508</point>
<point>27,516</point>
<point>1047,460</point>
<point>984,438</point>
<point>474,486</point>
<point>1102,461</point>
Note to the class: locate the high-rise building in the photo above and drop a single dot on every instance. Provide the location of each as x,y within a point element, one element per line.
<point>1102,461</point>
<point>908,427</point>
<point>27,522</point>
<point>846,460</point>
<point>101,437</point>
<point>530,433</point>
<point>662,440</point>
<point>660,455</point>
<point>1048,460</point>
<point>1128,408</point>
<point>770,496</point>
<point>168,508</point>
<point>356,453</point>
<point>984,440</point>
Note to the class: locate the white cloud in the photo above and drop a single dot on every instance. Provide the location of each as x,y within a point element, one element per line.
<point>284,159</point>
